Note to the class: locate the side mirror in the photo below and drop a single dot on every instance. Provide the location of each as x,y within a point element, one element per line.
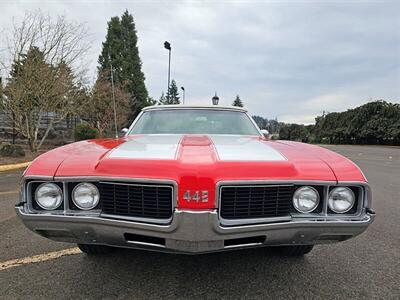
<point>265,132</point>
<point>124,130</point>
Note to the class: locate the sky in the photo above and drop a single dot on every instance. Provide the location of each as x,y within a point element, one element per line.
<point>286,59</point>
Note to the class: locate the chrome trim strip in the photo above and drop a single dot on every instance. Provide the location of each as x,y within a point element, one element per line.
<point>180,106</point>
<point>325,203</point>
<point>255,125</point>
<point>236,222</point>
<point>145,244</point>
<point>278,182</point>
<point>133,123</point>
<point>244,245</point>
<point>66,197</point>
<point>135,184</point>
<point>137,219</point>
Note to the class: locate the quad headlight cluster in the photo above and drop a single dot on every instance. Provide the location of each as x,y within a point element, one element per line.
<point>85,196</point>
<point>49,196</point>
<point>306,199</point>
<point>340,199</point>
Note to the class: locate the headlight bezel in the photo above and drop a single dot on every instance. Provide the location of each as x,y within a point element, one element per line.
<point>36,196</point>
<point>77,204</point>
<point>354,204</point>
<point>317,203</point>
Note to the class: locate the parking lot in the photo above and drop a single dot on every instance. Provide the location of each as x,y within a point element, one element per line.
<point>365,267</point>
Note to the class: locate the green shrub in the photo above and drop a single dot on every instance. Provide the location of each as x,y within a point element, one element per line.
<point>85,132</point>
<point>11,150</point>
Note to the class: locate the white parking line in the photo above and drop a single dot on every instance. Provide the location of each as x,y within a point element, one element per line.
<point>38,258</point>
<point>9,192</point>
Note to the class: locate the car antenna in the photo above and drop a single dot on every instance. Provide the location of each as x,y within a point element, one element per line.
<point>113,96</point>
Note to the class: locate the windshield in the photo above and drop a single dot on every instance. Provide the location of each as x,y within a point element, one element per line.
<point>194,121</point>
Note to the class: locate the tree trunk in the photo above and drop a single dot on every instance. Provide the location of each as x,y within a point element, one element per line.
<point>45,134</point>
<point>31,144</point>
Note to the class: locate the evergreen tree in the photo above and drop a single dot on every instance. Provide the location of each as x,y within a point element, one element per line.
<point>162,100</point>
<point>173,94</point>
<point>121,47</point>
<point>260,121</point>
<point>237,102</point>
<point>151,101</point>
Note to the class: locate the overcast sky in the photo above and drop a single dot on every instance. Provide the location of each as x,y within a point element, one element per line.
<point>290,60</point>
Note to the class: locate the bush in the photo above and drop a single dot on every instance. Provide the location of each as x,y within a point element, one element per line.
<point>85,132</point>
<point>11,150</point>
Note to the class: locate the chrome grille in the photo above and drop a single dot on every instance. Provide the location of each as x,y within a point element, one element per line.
<point>136,200</point>
<point>259,201</point>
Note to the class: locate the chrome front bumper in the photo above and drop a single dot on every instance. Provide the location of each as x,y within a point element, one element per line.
<point>191,231</point>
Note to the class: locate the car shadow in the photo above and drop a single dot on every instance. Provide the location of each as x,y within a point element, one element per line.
<point>233,273</point>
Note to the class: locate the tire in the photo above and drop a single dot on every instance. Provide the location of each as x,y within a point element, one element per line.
<point>299,250</point>
<point>95,249</point>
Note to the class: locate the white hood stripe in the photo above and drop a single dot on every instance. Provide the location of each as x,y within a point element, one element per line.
<point>239,148</point>
<point>165,147</point>
<point>149,147</point>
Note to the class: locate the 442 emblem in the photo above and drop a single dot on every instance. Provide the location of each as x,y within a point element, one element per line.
<point>197,196</point>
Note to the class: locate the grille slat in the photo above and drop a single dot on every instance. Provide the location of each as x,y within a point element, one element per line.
<point>142,201</point>
<point>241,202</point>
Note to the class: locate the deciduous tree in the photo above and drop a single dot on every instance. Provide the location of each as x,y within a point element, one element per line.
<point>36,89</point>
<point>45,73</point>
<point>100,112</point>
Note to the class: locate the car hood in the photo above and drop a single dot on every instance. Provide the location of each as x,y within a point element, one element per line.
<point>200,160</point>
<point>221,157</point>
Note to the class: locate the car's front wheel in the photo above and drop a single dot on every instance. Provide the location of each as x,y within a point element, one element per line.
<point>298,250</point>
<point>95,249</point>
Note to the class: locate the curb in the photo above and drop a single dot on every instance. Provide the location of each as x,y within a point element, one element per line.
<point>4,168</point>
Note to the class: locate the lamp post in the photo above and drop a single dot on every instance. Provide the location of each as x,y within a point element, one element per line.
<point>167,46</point>
<point>215,99</point>
<point>183,98</point>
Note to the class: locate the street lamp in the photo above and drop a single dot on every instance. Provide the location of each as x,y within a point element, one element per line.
<point>215,99</point>
<point>183,98</point>
<point>167,46</point>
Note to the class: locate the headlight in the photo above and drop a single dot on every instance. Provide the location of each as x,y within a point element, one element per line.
<point>85,196</point>
<point>341,200</point>
<point>305,199</point>
<point>48,196</point>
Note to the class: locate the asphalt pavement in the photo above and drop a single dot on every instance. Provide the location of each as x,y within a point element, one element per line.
<point>367,266</point>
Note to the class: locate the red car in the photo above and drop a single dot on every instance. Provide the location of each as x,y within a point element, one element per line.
<point>193,179</point>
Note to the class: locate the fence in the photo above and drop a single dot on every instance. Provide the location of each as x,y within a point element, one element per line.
<point>60,130</point>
